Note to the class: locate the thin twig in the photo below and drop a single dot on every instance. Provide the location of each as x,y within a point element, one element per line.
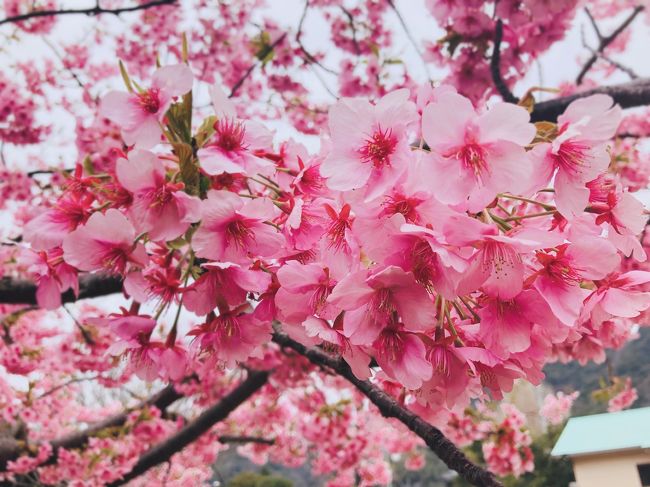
<point>96,10</point>
<point>66,384</point>
<point>594,24</point>
<point>606,41</point>
<point>69,69</point>
<point>252,67</point>
<point>348,14</point>
<point>84,332</point>
<point>629,71</point>
<point>410,37</point>
<point>631,94</point>
<point>310,57</point>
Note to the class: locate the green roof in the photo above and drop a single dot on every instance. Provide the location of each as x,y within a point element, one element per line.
<point>600,433</point>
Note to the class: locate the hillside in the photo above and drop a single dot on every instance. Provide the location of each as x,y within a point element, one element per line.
<point>633,360</point>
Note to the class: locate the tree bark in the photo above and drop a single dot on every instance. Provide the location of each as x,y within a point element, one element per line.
<point>96,10</point>
<point>390,408</point>
<point>163,451</point>
<point>11,449</point>
<point>628,95</point>
<point>19,291</point>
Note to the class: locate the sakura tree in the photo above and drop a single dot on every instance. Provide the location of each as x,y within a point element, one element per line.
<point>330,253</point>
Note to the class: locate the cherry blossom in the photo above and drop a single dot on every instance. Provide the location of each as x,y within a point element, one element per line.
<point>139,114</point>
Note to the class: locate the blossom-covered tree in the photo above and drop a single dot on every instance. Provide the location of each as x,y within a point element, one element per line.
<point>331,281</point>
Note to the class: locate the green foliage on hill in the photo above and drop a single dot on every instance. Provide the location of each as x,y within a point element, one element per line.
<point>252,479</point>
<point>633,360</point>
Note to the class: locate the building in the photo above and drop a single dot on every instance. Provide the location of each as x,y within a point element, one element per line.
<point>608,450</point>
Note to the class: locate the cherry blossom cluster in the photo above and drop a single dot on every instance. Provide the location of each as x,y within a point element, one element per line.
<point>439,242</point>
<point>556,407</point>
<point>502,434</point>
<point>458,248</point>
<point>77,363</point>
<point>530,28</point>
<point>624,399</point>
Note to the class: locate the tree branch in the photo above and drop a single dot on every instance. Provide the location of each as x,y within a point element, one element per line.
<point>18,291</point>
<point>252,67</point>
<point>246,439</point>
<point>495,66</point>
<point>629,71</point>
<point>409,35</point>
<point>163,451</point>
<point>631,94</point>
<point>350,17</point>
<point>96,10</point>
<point>308,55</point>
<point>605,41</point>
<point>390,408</point>
<point>11,449</point>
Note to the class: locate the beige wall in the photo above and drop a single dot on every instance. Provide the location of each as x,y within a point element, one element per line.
<point>610,470</point>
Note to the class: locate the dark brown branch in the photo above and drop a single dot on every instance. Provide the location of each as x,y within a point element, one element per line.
<point>261,55</point>
<point>163,451</point>
<point>594,24</point>
<point>246,439</point>
<point>632,94</point>
<point>11,449</point>
<point>621,67</point>
<point>606,41</point>
<point>38,172</point>
<point>16,291</point>
<point>390,408</point>
<point>495,66</point>
<point>96,10</point>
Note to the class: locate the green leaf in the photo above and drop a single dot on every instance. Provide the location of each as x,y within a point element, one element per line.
<point>125,77</point>
<point>188,166</point>
<point>205,131</point>
<point>179,117</point>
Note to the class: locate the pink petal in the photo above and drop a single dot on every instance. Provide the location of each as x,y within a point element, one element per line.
<point>505,121</point>
<point>48,293</point>
<point>138,172</point>
<point>444,122</point>
<point>626,304</point>
<point>351,292</point>
<point>173,80</point>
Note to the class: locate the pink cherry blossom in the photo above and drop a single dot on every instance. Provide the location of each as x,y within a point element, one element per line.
<point>507,326</point>
<point>618,295</point>
<point>53,276</point>
<point>233,148</point>
<point>579,153</point>
<point>558,281</point>
<point>372,301</point>
<point>357,359</point>
<point>368,143</point>
<point>140,114</point>
<point>402,355</point>
<point>304,289</point>
<point>106,242</point>
<point>234,231</point>
<point>160,207</point>
<point>479,155</point>
<point>223,284</point>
